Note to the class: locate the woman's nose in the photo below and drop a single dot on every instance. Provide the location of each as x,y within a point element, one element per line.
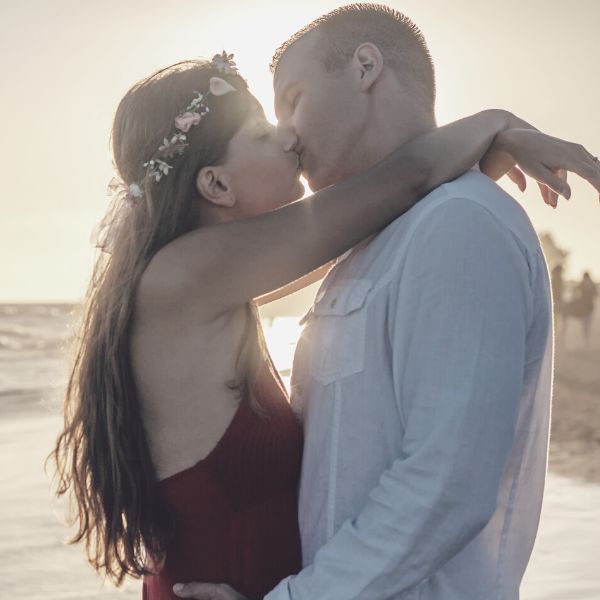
<point>288,138</point>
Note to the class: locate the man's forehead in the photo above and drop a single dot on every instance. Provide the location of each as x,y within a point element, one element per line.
<point>296,62</point>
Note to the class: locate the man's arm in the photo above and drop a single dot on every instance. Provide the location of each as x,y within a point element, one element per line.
<point>459,343</point>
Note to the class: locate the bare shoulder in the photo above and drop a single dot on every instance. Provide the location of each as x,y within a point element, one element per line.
<point>174,282</point>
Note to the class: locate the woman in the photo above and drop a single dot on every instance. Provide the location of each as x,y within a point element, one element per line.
<point>179,445</point>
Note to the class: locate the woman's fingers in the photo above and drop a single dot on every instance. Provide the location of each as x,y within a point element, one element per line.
<point>544,191</point>
<point>548,159</point>
<point>552,196</point>
<point>554,182</point>
<point>564,157</point>
<point>518,177</point>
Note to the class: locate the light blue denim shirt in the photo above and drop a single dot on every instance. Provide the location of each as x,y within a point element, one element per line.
<point>423,380</point>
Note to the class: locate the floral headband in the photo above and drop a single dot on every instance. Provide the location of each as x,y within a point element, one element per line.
<point>158,167</point>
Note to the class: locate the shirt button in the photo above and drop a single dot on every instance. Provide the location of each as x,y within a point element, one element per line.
<point>333,302</point>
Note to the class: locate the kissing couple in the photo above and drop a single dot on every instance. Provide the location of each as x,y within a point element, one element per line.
<point>409,462</point>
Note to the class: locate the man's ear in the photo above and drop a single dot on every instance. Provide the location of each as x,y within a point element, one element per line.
<point>368,61</point>
<point>213,184</point>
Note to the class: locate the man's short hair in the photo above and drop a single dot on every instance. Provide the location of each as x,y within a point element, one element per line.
<point>400,41</point>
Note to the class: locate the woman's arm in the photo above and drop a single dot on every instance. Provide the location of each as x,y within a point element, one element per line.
<point>495,163</point>
<point>214,269</point>
<point>296,286</point>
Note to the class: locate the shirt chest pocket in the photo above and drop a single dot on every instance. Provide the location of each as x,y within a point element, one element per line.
<point>338,323</point>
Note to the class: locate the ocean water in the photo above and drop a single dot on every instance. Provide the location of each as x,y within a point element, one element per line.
<point>35,561</point>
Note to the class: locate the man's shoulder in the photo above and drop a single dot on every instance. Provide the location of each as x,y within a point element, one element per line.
<point>471,204</point>
<point>470,195</point>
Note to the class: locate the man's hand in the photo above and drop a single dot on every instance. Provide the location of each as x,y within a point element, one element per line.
<point>207,591</point>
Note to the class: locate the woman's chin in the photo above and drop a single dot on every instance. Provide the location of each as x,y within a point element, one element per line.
<point>295,192</point>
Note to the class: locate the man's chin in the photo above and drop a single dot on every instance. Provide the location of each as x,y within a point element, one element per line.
<point>314,183</point>
<point>318,181</point>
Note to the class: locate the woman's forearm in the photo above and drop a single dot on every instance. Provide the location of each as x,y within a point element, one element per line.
<point>296,286</point>
<point>449,151</point>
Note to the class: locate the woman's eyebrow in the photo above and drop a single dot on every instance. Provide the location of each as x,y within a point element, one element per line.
<point>259,124</point>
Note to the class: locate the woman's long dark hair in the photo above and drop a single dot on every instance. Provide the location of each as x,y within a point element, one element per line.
<point>102,455</point>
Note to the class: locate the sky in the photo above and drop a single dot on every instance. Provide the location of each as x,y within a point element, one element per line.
<point>66,64</point>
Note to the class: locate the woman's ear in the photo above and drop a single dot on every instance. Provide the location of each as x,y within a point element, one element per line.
<point>368,61</point>
<point>213,184</point>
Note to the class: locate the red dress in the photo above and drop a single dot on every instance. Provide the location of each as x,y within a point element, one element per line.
<point>236,518</point>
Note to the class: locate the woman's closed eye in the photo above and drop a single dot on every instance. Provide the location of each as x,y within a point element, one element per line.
<point>264,134</point>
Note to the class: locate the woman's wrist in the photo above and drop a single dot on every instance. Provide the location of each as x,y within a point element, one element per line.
<point>506,142</point>
<point>515,122</point>
<point>504,119</point>
<point>499,120</point>
<point>501,142</point>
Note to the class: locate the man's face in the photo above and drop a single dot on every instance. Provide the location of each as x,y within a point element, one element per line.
<point>324,110</point>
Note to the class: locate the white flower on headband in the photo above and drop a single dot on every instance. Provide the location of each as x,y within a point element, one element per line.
<point>196,103</point>
<point>119,189</point>
<point>157,168</point>
<point>126,199</point>
<point>135,191</point>
<point>224,63</point>
<point>176,145</point>
<point>219,87</point>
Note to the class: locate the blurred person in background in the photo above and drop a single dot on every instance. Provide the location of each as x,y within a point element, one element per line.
<point>581,305</point>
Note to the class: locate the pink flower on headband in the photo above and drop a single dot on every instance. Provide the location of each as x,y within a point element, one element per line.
<point>186,120</point>
<point>220,87</point>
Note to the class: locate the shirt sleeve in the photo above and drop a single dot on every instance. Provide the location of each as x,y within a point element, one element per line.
<point>457,326</point>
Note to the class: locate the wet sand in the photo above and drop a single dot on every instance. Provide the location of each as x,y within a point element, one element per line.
<point>575,440</point>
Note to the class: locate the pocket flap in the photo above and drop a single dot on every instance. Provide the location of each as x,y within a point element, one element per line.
<point>342,299</point>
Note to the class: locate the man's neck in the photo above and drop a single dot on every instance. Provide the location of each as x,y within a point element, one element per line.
<point>389,131</point>
<point>384,135</point>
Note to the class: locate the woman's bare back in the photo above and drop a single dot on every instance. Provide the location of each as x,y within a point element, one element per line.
<point>181,364</point>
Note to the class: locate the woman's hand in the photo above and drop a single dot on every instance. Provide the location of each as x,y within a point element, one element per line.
<point>545,158</point>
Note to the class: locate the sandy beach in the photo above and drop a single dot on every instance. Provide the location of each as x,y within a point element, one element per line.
<point>575,444</point>
<point>35,563</point>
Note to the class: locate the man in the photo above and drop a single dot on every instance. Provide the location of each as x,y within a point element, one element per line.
<point>423,375</point>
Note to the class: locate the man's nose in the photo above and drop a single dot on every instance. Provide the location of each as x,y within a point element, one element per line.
<point>288,137</point>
